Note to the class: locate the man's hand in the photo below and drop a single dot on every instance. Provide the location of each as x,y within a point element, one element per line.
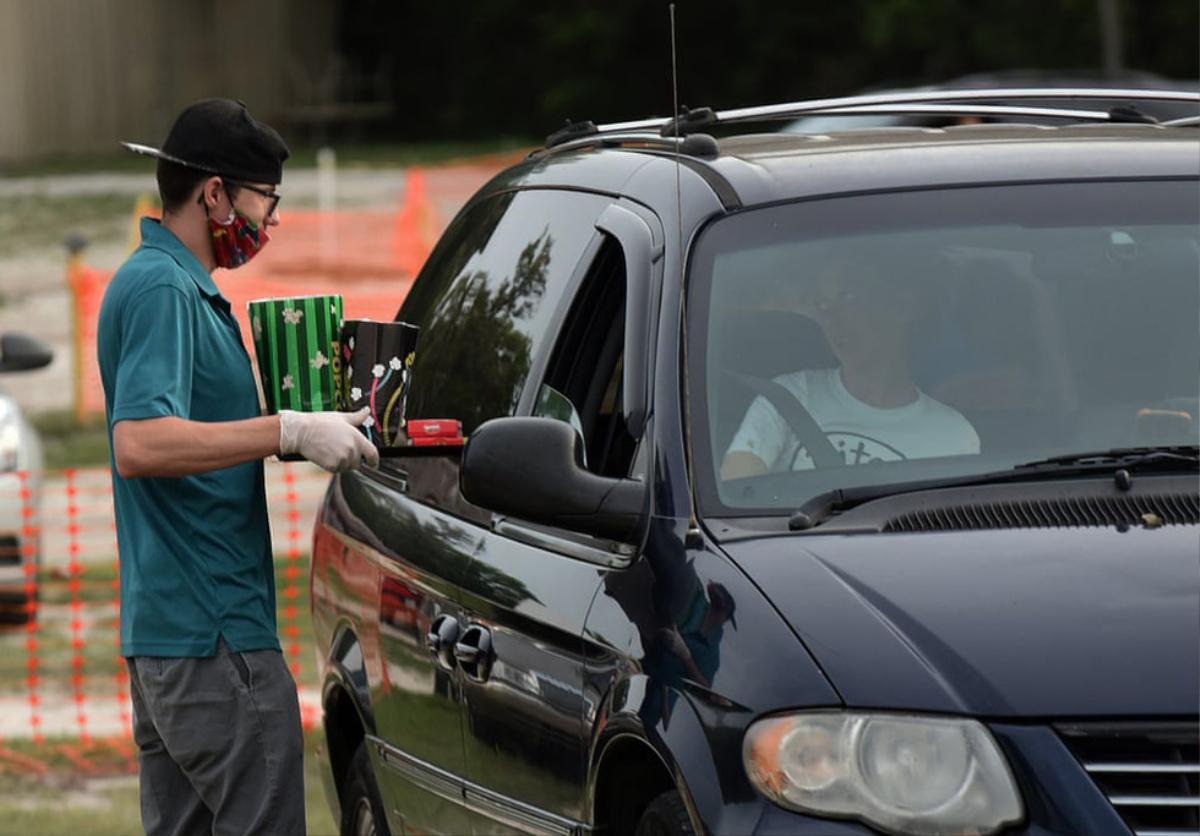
<point>674,642</point>
<point>328,439</point>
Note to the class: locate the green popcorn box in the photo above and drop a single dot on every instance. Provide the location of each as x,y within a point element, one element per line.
<point>296,342</point>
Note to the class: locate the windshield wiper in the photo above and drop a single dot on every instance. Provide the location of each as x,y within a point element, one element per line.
<point>1120,462</point>
<point>1127,457</point>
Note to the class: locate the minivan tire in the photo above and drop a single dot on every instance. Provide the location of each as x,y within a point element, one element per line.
<point>666,815</point>
<point>362,811</point>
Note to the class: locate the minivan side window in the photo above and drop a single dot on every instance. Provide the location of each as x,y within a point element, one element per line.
<point>485,300</point>
<point>583,378</point>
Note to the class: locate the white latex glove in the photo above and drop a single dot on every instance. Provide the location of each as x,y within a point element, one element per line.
<point>328,439</point>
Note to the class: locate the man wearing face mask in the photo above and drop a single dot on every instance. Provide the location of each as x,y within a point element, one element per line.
<point>216,716</point>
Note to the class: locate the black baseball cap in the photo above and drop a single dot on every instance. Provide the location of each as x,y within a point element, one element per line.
<point>219,136</point>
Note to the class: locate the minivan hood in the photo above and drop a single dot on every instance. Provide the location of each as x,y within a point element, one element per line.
<point>1031,623</point>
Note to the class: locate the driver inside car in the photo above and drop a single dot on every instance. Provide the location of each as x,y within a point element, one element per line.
<point>868,407</point>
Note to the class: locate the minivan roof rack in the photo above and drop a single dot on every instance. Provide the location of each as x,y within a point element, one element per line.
<point>690,145</point>
<point>973,102</point>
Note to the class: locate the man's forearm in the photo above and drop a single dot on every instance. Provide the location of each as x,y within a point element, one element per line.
<point>179,447</point>
<point>740,465</point>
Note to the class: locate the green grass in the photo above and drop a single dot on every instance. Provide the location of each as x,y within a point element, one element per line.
<point>36,221</point>
<point>57,807</point>
<point>107,757</point>
<point>63,801</point>
<point>69,442</point>
<point>55,653</point>
<point>95,584</point>
<point>371,154</point>
<point>54,648</point>
<point>40,221</point>
<point>99,651</point>
<point>305,643</point>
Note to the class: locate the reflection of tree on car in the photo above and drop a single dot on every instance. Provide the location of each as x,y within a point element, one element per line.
<point>479,312</point>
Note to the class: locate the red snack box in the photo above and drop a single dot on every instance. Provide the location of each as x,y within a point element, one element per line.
<point>437,441</point>
<point>434,428</point>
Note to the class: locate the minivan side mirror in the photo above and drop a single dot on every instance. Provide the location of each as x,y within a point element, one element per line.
<point>20,353</point>
<point>531,468</point>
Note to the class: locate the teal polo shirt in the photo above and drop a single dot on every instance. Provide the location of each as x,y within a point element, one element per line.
<point>195,551</point>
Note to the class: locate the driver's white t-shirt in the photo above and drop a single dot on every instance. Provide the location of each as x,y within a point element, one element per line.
<point>862,433</point>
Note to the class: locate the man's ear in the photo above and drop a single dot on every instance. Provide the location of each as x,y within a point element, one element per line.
<point>211,191</point>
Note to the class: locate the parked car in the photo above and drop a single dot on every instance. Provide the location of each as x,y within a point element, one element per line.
<point>1129,81</point>
<point>814,485</point>
<point>20,471</point>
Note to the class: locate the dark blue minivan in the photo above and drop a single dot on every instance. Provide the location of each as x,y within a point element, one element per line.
<point>815,484</point>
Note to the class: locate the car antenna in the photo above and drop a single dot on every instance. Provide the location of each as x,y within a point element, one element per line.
<point>678,164</point>
<point>693,532</point>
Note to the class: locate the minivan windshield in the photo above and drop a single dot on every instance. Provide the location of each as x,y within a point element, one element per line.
<point>896,337</point>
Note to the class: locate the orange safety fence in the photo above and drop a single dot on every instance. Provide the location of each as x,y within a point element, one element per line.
<point>61,674</point>
<point>370,256</point>
<point>62,679</point>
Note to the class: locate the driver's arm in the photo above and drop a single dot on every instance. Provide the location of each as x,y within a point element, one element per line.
<point>739,464</point>
<point>760,440</point>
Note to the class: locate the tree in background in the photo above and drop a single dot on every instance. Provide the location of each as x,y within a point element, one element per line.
<point>503,66</point>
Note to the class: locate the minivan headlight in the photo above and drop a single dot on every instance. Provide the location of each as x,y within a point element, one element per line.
<point>906,774</point>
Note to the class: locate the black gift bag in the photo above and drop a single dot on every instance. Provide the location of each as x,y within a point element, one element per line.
<point>378,359</point>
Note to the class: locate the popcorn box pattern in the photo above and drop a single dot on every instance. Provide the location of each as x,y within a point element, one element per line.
<point>299,357</point>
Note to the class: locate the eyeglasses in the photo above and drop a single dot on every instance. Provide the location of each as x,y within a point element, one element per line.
<point>272,196</point>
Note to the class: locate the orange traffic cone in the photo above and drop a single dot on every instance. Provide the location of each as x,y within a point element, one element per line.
<point>415,228</point>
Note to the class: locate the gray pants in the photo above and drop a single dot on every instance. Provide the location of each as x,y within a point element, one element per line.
<point>219,744</point>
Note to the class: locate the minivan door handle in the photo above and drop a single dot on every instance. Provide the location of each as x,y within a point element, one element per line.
<point>439,641</point>
<point>474,652</point>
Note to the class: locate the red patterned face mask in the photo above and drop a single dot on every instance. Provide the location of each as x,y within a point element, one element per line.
<point>237,240</point>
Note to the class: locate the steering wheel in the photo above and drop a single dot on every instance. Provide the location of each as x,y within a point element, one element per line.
<point>798,419</point>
